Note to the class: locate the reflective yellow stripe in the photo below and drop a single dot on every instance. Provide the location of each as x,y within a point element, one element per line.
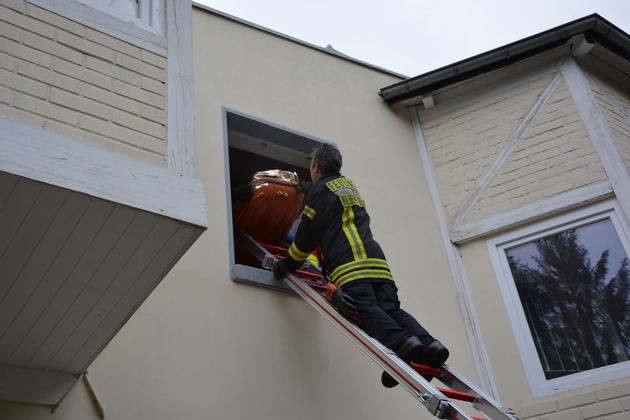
<point>347,224</point>
<point>296,254</point>
<point>309,212</point>
<point>363,274</point>
<point>364,264</point>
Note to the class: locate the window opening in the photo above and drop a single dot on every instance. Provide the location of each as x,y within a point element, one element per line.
<point>142,13</point>
<point>255,146</point>
<point>140,22</point>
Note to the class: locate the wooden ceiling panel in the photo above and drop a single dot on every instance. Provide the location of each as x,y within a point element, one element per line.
<point>73,269</point>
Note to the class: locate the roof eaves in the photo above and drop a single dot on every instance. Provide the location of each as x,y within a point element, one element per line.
<point>593,26</point>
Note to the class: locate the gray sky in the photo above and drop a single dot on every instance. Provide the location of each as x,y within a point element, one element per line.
<point>413,37</point>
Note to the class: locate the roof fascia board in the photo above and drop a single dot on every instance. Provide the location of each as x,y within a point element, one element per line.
<point>594,27</point>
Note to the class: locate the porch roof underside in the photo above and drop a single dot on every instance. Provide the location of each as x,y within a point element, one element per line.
<point>85,236</point>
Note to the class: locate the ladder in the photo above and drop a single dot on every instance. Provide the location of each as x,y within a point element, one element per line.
<point>309,285</point>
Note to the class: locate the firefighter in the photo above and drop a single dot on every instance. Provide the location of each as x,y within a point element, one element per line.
<point>335,219</point>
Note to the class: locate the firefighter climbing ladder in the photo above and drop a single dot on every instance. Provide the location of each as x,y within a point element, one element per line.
<point>436,400</point>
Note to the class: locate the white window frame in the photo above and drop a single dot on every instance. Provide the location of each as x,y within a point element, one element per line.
<point>149,11</point>
<point>147,32</point>
<point>540,386</point>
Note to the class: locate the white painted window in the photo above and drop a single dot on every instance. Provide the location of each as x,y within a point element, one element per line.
<point>141,22</point>
<point>255,145</point>
<point>566,287</point>
<point>142,13</point>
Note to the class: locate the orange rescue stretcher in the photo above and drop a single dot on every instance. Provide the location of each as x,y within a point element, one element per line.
<point>269,215</point>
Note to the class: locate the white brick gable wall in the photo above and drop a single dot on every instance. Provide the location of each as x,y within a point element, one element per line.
<point>82,84</point>
<point>615,106</point>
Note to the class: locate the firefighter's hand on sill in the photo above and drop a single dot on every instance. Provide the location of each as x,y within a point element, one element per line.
<point>279,270</point>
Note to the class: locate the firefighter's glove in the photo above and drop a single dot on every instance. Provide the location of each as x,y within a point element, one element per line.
<point>343,303</point>
<point>279,269</point>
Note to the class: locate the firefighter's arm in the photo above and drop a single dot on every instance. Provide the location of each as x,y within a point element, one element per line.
<point>304,243</point>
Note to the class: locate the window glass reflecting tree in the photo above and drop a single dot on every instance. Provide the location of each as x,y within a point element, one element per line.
<point>575,290</point>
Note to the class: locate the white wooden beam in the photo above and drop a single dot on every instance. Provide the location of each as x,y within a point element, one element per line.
<point>181,118</point>
<point>43,156</point>
<point>598,131</point>
<point>580,46</point>
<point>427,101</point>
<point>532,212</point>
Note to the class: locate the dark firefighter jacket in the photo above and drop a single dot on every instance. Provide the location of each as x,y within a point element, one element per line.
<point>335,219</point>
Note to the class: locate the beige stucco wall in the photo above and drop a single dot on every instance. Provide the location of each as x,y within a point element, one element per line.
<point>82,84</point>
<point>232,351</point>
<point>204,347</point>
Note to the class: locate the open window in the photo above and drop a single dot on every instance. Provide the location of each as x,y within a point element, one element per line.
<point>566,286</point>
<point>253,146</point>
<point>146,14</point>
<point>139,22</point>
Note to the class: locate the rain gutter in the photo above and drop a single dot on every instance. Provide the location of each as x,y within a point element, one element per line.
<point>594,27</point>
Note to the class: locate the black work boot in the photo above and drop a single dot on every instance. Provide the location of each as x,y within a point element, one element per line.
<point>435,355</point>
<point>411,350</point>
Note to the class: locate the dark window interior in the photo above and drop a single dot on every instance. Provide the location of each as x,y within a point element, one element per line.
<point>255,146</point>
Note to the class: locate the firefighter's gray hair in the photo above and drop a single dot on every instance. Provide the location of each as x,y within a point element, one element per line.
<point>328,157</point>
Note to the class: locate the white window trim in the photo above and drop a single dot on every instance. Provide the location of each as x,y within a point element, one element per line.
<point>540,386</point>
<point>43,156</point>
<point>150,37</point>
<point>149,11</point>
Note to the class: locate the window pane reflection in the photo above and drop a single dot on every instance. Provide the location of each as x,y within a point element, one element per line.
<point>575,290</point>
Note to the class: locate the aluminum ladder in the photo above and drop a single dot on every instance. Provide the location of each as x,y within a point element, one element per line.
<point>437,400</point>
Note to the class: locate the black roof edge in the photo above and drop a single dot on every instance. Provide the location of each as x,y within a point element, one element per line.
<point>594,27</point>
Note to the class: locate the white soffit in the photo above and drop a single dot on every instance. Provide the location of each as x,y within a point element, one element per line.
<point>84,239</point>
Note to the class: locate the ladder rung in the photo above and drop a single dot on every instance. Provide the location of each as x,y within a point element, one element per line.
<point>274,249</point>
<point>307,275</point>
<point>426,370</point>
<point>318,287</point>
<point>463,396</point>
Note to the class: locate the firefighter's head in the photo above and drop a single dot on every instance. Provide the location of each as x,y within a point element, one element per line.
<point>325,159</point>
